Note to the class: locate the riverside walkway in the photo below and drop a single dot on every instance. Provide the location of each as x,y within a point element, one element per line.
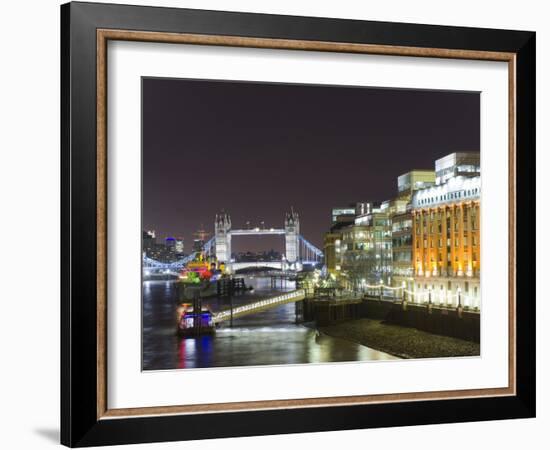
<point>259,305</point>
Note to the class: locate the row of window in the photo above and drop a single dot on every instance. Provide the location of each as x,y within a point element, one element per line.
<point>368,236</point>
<point>449,196</point>
<point>440,258</point>
<point>368,246</point>
<point>448,213</point>
<point>424,227</point>
<point>440,242</point>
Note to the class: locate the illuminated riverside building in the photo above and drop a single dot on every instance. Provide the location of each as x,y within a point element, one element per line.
<point>401,219</point>
<point>426,238</point>
<point>341,217</point>
<point>366,247</point>
<point>445,227</point>
<point>375,244</point>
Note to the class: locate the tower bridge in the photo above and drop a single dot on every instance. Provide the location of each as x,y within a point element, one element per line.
<point>298,250</point>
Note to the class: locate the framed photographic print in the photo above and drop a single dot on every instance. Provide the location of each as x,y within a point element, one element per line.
<point>277,224</point>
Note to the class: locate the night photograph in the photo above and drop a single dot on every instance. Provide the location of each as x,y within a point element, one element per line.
<point>293,224</point>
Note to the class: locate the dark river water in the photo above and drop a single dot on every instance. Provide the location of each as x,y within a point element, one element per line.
<point>268,338</point>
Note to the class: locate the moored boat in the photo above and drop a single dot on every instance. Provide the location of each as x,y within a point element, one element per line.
<point>199,277</point>
<point>191,323</point>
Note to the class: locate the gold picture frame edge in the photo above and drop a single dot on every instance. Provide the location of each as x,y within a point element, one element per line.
<point>103,36</point>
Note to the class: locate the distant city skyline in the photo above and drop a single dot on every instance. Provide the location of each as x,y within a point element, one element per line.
<point>258,149</point>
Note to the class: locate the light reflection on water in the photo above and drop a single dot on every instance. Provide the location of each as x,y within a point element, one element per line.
<point>267,338</point>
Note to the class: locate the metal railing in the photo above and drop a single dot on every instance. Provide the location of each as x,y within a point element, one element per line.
<point>437,299</point>
<point>259,305</point>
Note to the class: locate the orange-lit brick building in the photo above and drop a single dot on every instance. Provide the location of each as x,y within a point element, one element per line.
<point>446,239</point>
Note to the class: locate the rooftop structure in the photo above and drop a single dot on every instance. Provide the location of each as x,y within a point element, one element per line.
<point>457,164</point>
<point>414,180</point>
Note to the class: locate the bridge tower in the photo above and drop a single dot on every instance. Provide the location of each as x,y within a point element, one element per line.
<point>292,233</point>
<point>222,228</point>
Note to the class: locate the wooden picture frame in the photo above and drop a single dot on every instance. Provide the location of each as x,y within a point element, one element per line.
<point>86,418</point>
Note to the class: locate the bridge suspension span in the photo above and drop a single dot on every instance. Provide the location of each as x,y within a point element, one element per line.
<point>175,266</point>
<point>298,250</point>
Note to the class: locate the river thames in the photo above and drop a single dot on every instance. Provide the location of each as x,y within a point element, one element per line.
<point>268,338</point>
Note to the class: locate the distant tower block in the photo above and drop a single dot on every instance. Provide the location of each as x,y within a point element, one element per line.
<point>223,237</point>
<point>292,233</point>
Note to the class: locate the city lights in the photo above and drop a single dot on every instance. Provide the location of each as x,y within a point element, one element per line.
<point>428,232</point>
<point>326,273</point>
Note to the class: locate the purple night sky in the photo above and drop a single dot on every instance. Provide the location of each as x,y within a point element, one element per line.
<point>256,149</point>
